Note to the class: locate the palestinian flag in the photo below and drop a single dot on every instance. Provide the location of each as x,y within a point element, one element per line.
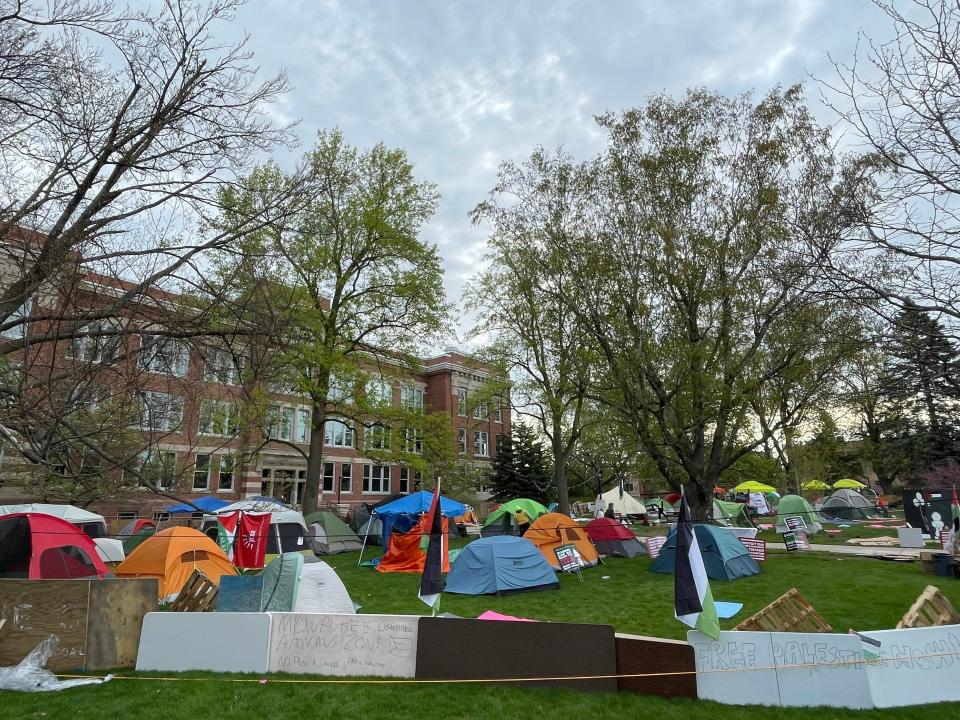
<point>227,531</point>
<point>693,600</point>
<point>431,582</point>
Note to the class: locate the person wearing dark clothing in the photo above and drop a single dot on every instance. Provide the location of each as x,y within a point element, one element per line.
<point>610,513</point>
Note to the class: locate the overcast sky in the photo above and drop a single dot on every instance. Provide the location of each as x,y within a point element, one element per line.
<point>462,86</point>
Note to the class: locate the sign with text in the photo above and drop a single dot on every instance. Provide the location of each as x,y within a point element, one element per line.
<point>795,541</point>
<point>654,544</point>
<point>569,559</point>
<point>795,522</point>
<point>756,548</point>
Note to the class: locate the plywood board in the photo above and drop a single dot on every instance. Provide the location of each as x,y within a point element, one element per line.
<point>528,650</point>
<point>115,619</point>
<point>220,642</point>
<point>32,610</point>
<point>736,669</point>
<point>918,665</point>
<point>639,655</point>
<point>344,645</point>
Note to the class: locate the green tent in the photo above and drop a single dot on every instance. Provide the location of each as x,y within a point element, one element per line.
<point>132,542</point>
<point>731,513</point>
<point>791,505</point>
<point>500,521</point>
<point>281,580</point>
<point>330,535</point>
<point>724,556</point>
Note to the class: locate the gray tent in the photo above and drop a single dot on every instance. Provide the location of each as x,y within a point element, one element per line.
<point>372,529</point>
<point>848,504</point>
<point>330,535</point>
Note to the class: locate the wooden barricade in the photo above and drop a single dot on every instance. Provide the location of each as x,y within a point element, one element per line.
<point>199,594</point>
<point>929,610</point>
<point>788,613</point>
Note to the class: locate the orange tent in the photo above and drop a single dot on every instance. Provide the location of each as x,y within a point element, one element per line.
<point>404,553</point>
<point>550,531</point>
<point>172,555</point>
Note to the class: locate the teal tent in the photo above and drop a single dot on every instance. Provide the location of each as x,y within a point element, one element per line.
<point>724,556</point>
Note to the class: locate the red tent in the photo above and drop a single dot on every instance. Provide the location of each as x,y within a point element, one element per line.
<point>605,529</point>
<point>44,547</point>
<point>672,498</point>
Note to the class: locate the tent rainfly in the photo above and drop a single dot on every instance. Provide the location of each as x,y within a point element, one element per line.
<point>500,565</point>
<point>612,538</point>
<point>623,506</point>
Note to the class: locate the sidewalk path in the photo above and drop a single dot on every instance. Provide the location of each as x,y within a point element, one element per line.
<point>863,550</point>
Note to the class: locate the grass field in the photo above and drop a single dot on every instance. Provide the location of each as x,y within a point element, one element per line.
<point>850,592</point>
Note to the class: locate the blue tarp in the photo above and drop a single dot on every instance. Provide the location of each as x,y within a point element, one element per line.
<point>404,512</point>
<point>207,504</point>
<point>498,565</point>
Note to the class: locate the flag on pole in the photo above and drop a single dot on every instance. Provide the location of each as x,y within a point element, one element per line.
<point>431,582</point>
<point>250,545</point>
<point>693,601</point>
<point>226,531</point>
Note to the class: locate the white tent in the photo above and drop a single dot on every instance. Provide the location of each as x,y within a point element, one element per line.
<point>70,513</point>
<point>109,549</point>
<point>322,591</point>
<point>626,505</point>
<point>288,528</point>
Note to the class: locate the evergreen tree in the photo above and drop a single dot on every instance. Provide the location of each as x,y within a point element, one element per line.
<point>520,469</point>
<point>503,475</point>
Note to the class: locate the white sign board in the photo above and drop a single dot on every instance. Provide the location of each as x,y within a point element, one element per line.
<point>220,642</point>
<point>918,665</point>
<point>759,502</point>
<point>342,645</point>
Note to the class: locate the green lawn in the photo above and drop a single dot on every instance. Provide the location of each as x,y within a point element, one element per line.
<point>849,592</point>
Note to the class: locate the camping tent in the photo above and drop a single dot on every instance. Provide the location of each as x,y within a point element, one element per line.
<point>848,505</point>
<point>791,505</point>
<point>612,538</point>
<point>132,542</point>
<point>135,526</point>
<point>623,506</point>
<point>500,565</point>
<point>92,524</point>
<point>322,590</point>
<point>288,531</point>
<point>371,532</point>
<point>731,513</point>
<point>44,547</point>
<point>724,556</point>
<point>330,535</point>
<point>404,552</point>
<point>550,531</point>
<point>405,511</point>
<point>501,520</point>
<point>281,582</point>
<point>110,550</point>
<point>172,555</point>
<point>208,504</point>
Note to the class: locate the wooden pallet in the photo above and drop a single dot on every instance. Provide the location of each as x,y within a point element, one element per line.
<point>199,594</point>
<point>788,613</point>
<point>930,609</point>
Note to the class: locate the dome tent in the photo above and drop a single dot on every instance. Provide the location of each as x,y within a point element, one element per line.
<point>330,535</point>
<point>501,521</point>
<point>92,524</point>
<point>45,547</point>
<point>550,531</point>
<point>724,556</point>
<point>498,566</point>
<point>791,505</point>
<point>612,538</point>
<point>848,505</point>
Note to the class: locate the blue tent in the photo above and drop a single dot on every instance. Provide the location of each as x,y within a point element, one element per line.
<point>498,565</point>
<point>724,556</point>
<point>207,504</point>
<point>404,512</point>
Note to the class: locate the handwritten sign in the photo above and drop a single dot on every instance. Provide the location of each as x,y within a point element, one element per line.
<point>795,522</point>
<point>913,666</point>
<point>569,559</point>
<point>756,548</point>
<point>343,645</point>
<point>795,541</point>
<point>654,544</point>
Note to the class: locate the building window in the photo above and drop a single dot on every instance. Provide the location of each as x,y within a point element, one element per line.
<point>228,466</point>
<point>217,417</point>
<point>339,390</point>
<point>127,514</point>
<point>337,433</point>
<point>480,448</point>
<point>346,477</point>
<point>480,411</point>
<point>408,480</point>
<point>302,434</point>
<point>221,366</point>
<point>160,411</point>
<point>201,472</point>
<point>376,479</point>
<point>280,422</point>
<point>497,412</point>
<point>159,468</point>
<point>411,398</point>
<point>497,442</point>
<point>163,355</point>
<point>18,316</point>
<point>328,468</point>
<point>461,402</point>
<point>462,441</point>
<point>376,437</point>
<point>94,348</point>
<point>379,393</point>
<point>413,440</point>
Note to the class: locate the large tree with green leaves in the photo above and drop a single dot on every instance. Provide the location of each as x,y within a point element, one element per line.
<point>347,284</point>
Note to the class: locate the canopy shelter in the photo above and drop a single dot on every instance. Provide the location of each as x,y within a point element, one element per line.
<point>794,505</point>
<point>502,521</point>
<point>330,535</point>
<point>848,504</point>
<point>38,546</point>
<point>849,484</point>
<point>724,556</point>
<point>731,513</point>
<point>288,530</point>
<point>500,565</point>
<point>814,485</point>
<point>405,511</point>
<point>91,523</point>
<point>612,538</point>
<point>362,514</point>
<point>172,555</point>
<point>753,486</point>
<point>550,531</point>
<point>625,505</point>
<point>207,504</point>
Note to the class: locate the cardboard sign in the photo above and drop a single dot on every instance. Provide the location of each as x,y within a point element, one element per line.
<point>569,559</point>
<point>654,544</point>
<point>756,548</point>
<point>795,522</point>
<point>795,541</point>
<point>759,503</point>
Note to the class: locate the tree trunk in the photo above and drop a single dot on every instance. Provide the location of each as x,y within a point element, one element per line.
<point>560,471</point>
<point>311,492</point>
<point>700,500</point>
